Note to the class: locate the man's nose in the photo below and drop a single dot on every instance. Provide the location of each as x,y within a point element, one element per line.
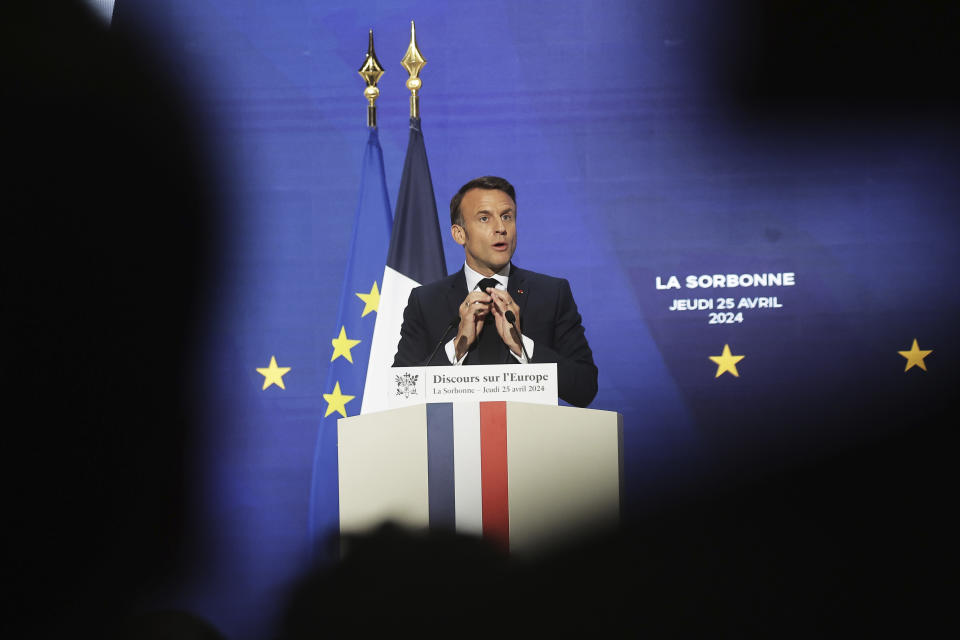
<point>501,227</point>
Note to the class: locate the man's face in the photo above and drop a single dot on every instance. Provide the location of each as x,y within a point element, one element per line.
<point>489,231</point>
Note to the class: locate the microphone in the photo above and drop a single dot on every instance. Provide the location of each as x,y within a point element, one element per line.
<point>512,319</point>
<point>450,325</point>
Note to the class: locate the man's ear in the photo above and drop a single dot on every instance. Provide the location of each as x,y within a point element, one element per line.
<point>459,234</point>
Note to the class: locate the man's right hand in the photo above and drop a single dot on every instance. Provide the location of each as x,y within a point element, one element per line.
<point>473,312</point>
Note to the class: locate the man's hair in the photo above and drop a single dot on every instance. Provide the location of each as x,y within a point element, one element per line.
<point>486,182</point>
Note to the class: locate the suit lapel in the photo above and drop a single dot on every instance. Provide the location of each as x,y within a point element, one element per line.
<point>456,293</point>
<point>518,289</point>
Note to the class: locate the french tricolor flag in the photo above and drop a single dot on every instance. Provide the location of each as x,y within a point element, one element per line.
<point>415,258</point>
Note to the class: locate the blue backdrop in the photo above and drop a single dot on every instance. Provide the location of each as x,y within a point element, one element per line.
<point>640,150</point>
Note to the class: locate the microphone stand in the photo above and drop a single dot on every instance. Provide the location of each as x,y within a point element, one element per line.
<point>450,325</point>
<point>512,319</point>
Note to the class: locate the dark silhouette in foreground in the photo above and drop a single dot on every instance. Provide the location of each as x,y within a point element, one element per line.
<point>854,541</point>
<point>105,246</point>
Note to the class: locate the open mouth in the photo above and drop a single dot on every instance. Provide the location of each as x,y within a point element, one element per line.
<point>499,246</point>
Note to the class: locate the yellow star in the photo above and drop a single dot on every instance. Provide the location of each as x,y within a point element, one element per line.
<point>336,401</point>
<point>726,362</point>
<point>273,374</point>
<point>342,346</point>
<point>915,356</point>
<point>371,300</point>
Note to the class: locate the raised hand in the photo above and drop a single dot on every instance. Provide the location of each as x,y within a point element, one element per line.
<point>501,302</point>
<point>473,313</point>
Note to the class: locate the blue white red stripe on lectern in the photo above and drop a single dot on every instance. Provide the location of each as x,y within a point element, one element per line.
<point>440,466</point>
<point>493,466</point>
<point>466,453</point>
<point>467,475</point>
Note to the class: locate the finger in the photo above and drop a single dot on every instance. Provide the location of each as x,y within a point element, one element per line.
<point>474,303</point>
<point>501,306</point>
<point>503,299</point>
<point>476,296</point>
<point>497,294</point>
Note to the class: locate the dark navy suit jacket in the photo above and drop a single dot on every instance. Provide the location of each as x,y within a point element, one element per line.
<point>548,316</point>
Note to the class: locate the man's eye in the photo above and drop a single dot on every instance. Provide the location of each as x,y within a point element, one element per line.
<point>483,218</point>
<point>508,217</point>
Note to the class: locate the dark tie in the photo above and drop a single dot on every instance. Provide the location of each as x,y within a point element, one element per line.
<point>489,345</point>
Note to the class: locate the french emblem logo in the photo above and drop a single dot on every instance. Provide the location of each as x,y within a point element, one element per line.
<point>406,384</point>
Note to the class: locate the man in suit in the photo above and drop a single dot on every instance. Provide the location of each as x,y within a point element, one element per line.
<point>546,326</point>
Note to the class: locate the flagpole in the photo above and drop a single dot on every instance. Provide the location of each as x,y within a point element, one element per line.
<point>413,62</point>
<point>416,245</point>
<point>351,341</point>
<point>371,71</point>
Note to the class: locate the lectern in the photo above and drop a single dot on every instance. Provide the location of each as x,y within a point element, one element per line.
<point>526,477</point>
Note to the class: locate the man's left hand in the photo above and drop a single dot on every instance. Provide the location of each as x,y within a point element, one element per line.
<point>510,334</point>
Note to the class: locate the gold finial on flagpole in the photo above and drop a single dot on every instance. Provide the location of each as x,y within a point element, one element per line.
<point>371,71</point>
<point>413,62</point>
